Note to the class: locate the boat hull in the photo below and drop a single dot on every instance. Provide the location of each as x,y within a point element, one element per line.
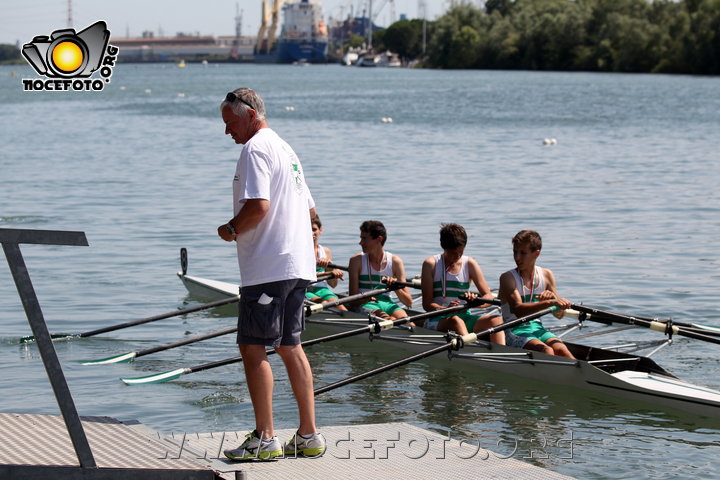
<point>207,289</point>
<point>617,374</point>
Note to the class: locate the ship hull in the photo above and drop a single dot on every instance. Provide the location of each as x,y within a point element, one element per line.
<point>313,52</point>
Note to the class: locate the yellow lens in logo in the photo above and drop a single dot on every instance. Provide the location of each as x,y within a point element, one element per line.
<point>67,56</point>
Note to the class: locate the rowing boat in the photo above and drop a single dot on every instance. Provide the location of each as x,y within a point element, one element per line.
<point>619,374</point>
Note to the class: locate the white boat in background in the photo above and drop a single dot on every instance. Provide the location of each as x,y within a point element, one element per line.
<point>368,60</point>
<point>390,59</point>
<point>623,375</point>
<point>350,58</point>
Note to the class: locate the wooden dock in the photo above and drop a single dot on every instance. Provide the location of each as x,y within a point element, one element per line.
<point>38,446</point>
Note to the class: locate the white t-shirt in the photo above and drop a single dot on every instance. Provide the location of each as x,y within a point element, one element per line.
<point>280,247</point>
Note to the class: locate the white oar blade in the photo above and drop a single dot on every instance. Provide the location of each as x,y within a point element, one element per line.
<point>157,378</point>
<point>706,327</point>
<point>124,358</point>
<point>54,337</point>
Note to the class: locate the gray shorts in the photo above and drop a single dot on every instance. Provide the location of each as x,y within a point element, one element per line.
<point>276,320</point>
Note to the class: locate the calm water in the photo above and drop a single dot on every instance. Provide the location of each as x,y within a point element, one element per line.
<point>627,202</point>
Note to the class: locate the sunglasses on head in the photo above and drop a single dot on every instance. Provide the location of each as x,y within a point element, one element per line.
<point>232,96</point>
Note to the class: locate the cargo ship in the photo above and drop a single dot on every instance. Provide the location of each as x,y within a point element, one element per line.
<point>304,36</point>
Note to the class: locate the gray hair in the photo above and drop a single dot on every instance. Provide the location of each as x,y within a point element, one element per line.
<point>247,97</point>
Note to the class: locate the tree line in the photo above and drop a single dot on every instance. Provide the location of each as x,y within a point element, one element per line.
<point>9,53</point>
<point>660,36</point>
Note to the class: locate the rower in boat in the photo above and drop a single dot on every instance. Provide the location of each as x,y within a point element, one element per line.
<point>527,289</point>
<point>321,291</point>
<point>448,275</point>
<point>367,270</point>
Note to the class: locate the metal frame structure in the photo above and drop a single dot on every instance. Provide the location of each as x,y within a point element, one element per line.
<point>11,240</point>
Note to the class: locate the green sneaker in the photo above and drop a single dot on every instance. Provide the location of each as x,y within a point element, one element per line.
<point>310,446</point>
<point>255,449</point>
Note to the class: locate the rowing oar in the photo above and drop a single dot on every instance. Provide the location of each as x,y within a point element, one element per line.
<point>130,356</point>
<point>339,267</point>
<point>602,316</point>
<point>323,276</point>
<point>667,328</point>
<point>316,307</point>
<point>455,342</point>
<point>375,327</point>
<point>154,318</point>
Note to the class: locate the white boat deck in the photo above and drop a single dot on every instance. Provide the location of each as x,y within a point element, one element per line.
<point>37,446</point>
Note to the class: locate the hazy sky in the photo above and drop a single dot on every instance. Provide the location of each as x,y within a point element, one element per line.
<point>21,20</point>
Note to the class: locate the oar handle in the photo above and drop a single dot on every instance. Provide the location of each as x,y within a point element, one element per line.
<point>339,267</point>
<point>317,307</point>
<point>321,277</point>
<point>414,283</point>
<point>205,306</point>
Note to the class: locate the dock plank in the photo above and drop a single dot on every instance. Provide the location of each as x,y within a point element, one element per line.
<point>360,452</point>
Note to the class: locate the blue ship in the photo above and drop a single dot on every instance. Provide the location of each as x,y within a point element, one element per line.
<point>304,34</point>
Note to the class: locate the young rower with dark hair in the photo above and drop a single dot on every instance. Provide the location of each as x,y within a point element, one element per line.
<point>367,269</point>
<point>321,292</point>
<point>448,275</point>
<point>527,289</point>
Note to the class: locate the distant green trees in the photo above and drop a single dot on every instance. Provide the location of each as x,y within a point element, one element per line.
<point>405,38</point>
<point>591,35</point>
<point>9,52</point>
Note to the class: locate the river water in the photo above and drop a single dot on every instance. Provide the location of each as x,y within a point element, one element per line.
<point>627,202</point>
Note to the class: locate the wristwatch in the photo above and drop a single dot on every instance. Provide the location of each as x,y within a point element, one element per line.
<point>230,229</point>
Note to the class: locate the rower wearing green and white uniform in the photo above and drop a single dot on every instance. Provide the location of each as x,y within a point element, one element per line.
<point>367,269</point>
<point>448,275</point>
<point>321,291</point>
<point>527,289</point>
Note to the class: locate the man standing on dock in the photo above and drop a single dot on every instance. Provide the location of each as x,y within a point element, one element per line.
<point>272,208</point>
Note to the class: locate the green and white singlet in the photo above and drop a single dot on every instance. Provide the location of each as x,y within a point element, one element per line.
<point>320,289</point>
<point>533,329</point>
<point>447,287</point>
<point>370,279</point>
